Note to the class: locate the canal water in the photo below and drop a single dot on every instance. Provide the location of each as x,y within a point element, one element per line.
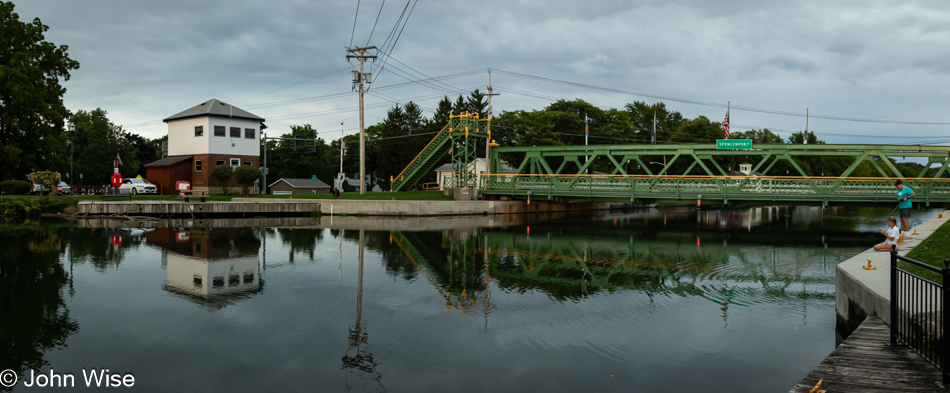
<point>671,300</point>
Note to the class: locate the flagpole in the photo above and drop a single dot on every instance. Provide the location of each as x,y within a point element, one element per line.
<point>653,130</point>
<point>725,127</point>
<point>341,146</point>
<point>806,126</point>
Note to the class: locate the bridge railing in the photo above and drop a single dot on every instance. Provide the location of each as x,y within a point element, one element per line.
<point>918,314</point>
<point>667,186</point>
<point>418,161</point>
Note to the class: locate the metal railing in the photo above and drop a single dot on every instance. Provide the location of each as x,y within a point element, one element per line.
<point>399,180</point>
<point>856,189</point>
<point>917,312</point>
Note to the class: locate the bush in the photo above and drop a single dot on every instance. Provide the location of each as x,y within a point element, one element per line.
<point>30,209</point>
<point>48,179</point>
<point>223,173</point>
<point>52,205</point>
<point>246,175</point>
<point>15,187</point>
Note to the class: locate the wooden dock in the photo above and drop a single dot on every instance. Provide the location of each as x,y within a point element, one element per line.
<point>865,363</point>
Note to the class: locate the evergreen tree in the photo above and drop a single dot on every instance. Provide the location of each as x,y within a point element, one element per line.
<point>476,104</point>
<point>460,105</point>
<point>442,112</point>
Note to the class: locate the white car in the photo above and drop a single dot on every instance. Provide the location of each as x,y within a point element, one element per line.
<point>137,186</point>
<point>63,189</point>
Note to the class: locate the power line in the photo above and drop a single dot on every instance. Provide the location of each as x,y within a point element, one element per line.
<point>717,105</point>
<point>386,51</point>
<point>335,95</point>
<point>395,26</point>
<point>420,73</point>
<point>355,17</point>
<point>293,84</point>
<point>374,23</point>
<point>423,82</point>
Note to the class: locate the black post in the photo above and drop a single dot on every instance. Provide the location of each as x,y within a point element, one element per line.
<point>945,330</point>
<point>894,317</point>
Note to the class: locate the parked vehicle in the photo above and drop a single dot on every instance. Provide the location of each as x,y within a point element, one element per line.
<point>137,186</point>
<point>37,188</point>
<point>63,189</point>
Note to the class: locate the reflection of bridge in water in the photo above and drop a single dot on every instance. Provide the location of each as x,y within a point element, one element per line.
<point>572,265</point>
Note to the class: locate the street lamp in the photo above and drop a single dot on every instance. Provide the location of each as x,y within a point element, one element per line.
<point>72,131</point>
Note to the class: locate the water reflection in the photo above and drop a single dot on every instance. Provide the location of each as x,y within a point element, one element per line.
<point>607,300</point>
<point>213,268</point>
<point>33,314</point>
<point>358,358</point>
<point>740,258</point>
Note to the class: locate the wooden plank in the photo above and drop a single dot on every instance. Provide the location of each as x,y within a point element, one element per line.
<point>865,363</point>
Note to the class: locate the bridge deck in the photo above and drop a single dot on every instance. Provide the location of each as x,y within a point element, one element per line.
<point>864,363</point>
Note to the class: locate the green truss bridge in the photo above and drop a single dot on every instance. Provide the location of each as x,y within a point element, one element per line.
<point>773,173</point>
<point>767,173</point>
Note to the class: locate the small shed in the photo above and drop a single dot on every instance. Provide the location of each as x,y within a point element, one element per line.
<point>299,186</point>
<point>166,171</point>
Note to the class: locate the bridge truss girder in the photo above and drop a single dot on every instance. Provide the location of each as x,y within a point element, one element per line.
<point>547,172</point>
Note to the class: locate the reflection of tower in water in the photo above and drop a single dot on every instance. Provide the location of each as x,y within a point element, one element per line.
<point>212,268</point>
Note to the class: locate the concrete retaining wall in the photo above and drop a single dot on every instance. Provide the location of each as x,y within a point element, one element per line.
<point>158,208</point>
<point>380,223</point>
<point>261,206</point>
<point>860,293</point>
<point>446,208</point>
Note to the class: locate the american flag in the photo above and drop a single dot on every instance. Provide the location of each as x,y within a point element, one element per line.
<point>118,160</point>
<point>725,125</point>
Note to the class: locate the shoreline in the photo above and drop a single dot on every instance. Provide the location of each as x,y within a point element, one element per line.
<point>245,207</point>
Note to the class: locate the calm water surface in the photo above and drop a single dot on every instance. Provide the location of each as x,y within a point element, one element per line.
<point>651,301</point>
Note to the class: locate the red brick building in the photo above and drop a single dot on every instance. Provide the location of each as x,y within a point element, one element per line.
<point>201,137</point>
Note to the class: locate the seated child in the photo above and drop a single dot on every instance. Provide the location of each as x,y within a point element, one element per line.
<point>891,233</point>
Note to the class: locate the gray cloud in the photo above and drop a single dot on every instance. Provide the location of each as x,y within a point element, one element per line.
<point>143,61</point>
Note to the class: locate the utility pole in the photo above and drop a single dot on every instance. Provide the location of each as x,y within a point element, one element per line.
<point>360,53</point>
<point>488,141</point>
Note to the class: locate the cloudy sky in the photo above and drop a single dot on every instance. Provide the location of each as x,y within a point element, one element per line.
<point>869,71</point>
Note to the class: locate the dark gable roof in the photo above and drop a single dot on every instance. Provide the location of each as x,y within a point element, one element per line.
<point>214,108</point>
<point>168,161</point>
<point>302,183</point>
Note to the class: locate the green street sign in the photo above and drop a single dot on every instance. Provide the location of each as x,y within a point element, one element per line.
<point>743,144</point>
